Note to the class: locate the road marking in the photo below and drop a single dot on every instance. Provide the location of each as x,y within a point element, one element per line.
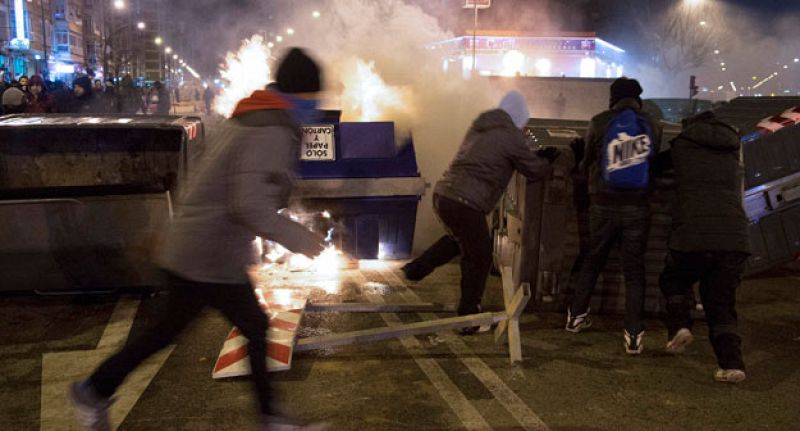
<point>62,368</point>
<point>459,404</point>
<point>504,395</point>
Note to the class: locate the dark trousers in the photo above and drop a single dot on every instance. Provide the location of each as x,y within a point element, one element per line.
<point>187,298</point>
<point>719,274</point>
<point>627,226</point>
<point>468,236</point>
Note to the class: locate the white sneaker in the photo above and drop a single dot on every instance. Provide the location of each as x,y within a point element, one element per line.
<point>279,423</point>
<point>633,343</point>
<point>729,376</point>
<point>677,345</point>
<point>91,411</point>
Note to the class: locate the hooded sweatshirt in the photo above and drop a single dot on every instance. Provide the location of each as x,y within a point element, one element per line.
<point>492,150</point>
<point>708,214</point>
<point>234,194</point>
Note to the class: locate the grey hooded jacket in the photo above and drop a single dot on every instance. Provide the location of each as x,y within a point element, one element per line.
<point>492,150</point>
<point>235,194</point>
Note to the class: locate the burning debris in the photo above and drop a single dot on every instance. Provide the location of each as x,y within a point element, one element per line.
<point>329,262</point>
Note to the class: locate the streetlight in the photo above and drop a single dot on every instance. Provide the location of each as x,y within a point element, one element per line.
<point>159,41</point>
<point>315,14</point>
<point>694,2</point>
<point>119,4</point>
<point>278,39</point>
<point>168,50</point>
<point>141,25</point>
<point>290,31</point>
<point>175,57</point>
<point>703,23</point>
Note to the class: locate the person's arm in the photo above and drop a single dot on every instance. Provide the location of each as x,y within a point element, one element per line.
<point>259,182</point>
<point>524,159</point>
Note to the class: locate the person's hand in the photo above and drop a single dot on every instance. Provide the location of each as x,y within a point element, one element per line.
<point>549,153</point>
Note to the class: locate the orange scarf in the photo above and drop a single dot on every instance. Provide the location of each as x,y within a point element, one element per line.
<point>261,100</point>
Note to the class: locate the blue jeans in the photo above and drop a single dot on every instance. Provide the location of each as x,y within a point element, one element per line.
<point>625,225</point>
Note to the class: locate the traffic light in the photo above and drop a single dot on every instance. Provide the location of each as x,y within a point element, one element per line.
<point>693,88</point>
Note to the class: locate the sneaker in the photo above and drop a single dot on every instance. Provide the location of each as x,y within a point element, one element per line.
<point>678,343</point>
<point>577,323</point>
<point>280,423</point>
<point>91,409</point>
<point>409,273</point>
<point>472,330</point>
<point>729,376</point>
<point>633,343</point>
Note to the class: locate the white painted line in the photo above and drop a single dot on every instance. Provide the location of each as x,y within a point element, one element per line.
<point>120,323</point>
<point>59,369</point>
<point>529,420</point>
<point>459,404</point>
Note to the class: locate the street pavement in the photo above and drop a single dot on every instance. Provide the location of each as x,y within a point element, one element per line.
<point>429,382</point>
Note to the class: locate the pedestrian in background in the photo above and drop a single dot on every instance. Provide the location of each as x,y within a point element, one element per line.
<point>208,97</point>
<point>618,160</point>
<point>62,97</point>
<point>161,99</point>
<point>23,83</point>
<point>39,99</point>
<point>14,101</point>
<point>709,242</point>
<point>85,100</point>
<point>493,149</point>
<point>129,98</point>
<point>232,197</point>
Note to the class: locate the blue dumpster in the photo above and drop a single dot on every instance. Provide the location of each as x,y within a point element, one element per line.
<point>367,180</point>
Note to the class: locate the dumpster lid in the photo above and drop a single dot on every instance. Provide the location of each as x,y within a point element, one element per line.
<point>98,121</point>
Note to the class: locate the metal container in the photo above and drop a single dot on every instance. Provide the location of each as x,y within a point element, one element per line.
<point>83,199</point>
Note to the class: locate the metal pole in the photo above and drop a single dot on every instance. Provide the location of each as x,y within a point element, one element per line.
<point>474,39</point>
<point>44,40</point>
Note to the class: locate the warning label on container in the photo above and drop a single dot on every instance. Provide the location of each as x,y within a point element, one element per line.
<point>318,143</point>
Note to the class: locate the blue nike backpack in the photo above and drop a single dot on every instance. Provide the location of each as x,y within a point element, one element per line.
<point>627,152</point>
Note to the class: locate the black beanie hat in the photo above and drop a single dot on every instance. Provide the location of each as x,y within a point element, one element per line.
<point>625,88</point>
<point>298,73</point>
<point>84,82</point>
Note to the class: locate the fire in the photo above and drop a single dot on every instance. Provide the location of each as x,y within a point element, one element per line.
<point>329,262</point>
<point>244,72</point>
<point>366,95</point>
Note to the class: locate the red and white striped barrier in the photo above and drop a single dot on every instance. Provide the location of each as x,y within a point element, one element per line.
<point>284,307</point>
<point>777,122</point>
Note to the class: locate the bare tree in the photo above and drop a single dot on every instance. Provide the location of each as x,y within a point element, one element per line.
<point>678,35</point>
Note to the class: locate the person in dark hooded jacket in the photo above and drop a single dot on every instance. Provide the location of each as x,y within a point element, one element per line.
<point>492,150</point>
<point>709,242</point>
<point>86,101</point>
<point>616,215</point>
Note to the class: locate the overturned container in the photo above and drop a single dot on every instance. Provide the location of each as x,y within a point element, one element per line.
<point>542,228</point>
<point>83,199</point>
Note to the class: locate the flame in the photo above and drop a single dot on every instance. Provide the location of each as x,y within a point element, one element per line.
<point>244,72</point>
<point>329,262</point>
<point>367,97</point>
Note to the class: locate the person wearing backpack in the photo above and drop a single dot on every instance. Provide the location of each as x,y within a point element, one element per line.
<point>620,147</point>
<point>709,242</point>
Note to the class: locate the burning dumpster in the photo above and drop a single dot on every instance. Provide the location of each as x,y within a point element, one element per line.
<point>367,179</point>
<point>83,199</point>
<point>542,229</point>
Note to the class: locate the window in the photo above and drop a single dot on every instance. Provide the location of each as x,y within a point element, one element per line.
<point>59,9</point>
<point>61,38</point>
